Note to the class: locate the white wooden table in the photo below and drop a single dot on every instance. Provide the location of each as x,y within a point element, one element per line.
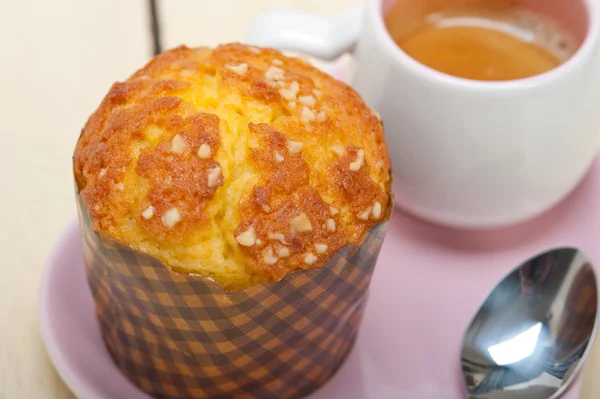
<point>57,60</point>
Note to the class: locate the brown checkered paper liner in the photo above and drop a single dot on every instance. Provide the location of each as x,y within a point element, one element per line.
<point>182,336</point>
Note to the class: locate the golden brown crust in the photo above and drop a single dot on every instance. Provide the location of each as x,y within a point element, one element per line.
<point>180,180</point>
<point>237,163</point>
<point>283,194</point>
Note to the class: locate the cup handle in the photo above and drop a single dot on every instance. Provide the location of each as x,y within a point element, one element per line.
<point>324,38</point>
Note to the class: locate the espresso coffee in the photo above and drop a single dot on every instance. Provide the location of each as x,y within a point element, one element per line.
<point>479,40</point>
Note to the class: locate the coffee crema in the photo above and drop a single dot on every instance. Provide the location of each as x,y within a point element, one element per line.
<point>479,40</point>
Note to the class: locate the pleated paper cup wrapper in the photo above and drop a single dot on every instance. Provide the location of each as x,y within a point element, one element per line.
<point>182,336</point>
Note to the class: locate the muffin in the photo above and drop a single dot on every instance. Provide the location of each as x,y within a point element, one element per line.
<point>232,204</point>
<point>237,164</point>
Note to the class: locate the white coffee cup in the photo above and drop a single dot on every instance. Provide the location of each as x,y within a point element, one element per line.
<point>465,153</point>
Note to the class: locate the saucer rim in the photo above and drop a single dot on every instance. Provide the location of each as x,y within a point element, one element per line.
<point>66,372</point>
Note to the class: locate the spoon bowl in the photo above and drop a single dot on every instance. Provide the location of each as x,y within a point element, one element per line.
<point>533,332</point>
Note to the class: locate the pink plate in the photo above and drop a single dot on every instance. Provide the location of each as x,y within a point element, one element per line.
<point>427,284</point>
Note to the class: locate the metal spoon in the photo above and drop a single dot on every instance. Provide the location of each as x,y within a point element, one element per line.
<point>533,332</point>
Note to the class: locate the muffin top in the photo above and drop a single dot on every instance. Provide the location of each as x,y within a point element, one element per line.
<point>238,164</point>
